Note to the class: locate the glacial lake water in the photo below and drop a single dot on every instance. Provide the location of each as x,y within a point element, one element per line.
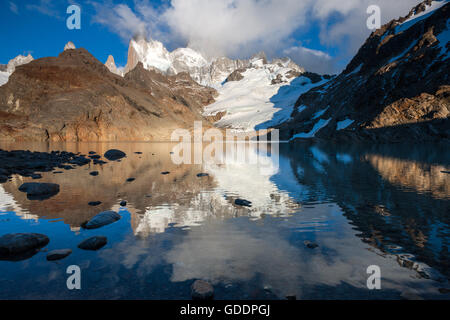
<point>363,205</point>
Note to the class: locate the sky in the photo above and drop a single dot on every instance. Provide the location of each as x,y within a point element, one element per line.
<point>320,35</point>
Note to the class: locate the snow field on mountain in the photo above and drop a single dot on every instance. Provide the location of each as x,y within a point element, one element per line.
<point>254,103</point>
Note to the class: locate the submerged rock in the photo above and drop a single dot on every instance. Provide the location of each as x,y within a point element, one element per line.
<point>39,191</point>
<point>202,290</point>
<point>99,162</point>
<point>123,203</point>
<point>310,245</point>
<point>165,172</point>
<point>58,254</point>
<point>94,203</point>
<point>242,202</point>
<point>94,173</point>
<point>114,154</point>
<point>15,246</point>
<point>131,179</point>
<point>93,243</point>
<point>199,175</point>
<point>102,219</point>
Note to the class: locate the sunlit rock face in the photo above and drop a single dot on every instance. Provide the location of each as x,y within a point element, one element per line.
<point>74,97</point>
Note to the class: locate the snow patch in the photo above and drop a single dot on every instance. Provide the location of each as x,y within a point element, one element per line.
<point>317,127</point>
<point>254,103</point>
<point>320,113</point>
<point>344,124</point>
<point>420,16</point>
<point>4,76</point>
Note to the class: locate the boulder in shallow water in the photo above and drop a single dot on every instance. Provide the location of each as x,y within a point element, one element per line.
<point>310,245</point>
<point>123,203</point>
<point>202,290</point>
<point>93,243</point>
<point>94,203</point>
<point>114,154</point>
<point>58,254</point>
<point>102,219</point>
<point>242,202</point>
<point>14,245</point>
<point>39,191</point>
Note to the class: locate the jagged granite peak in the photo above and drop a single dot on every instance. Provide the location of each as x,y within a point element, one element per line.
<point>74,97</point>
<point>152,54</point>
<point>69,45</point>
<point>206,71</point>
<point>396,88</point>
<point>111,65</point>
<point>288,63</point>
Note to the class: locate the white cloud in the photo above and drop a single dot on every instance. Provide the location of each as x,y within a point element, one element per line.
<point>13,7</point>
<point>235,27</point>
<point>120,19</point>
<point>239,28</point>
<point>312,60</point>
<point>46,7</point>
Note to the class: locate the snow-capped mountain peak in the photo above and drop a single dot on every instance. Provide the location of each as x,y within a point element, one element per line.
<point>152,54</point>
<point>11,67</point>
<point>17,61</point>
<point>208,72</point>
<point>69,45</point>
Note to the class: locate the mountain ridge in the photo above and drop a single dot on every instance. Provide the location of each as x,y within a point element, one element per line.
<point>396,88</point>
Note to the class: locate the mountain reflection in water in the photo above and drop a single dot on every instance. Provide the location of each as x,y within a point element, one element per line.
<point>363,205</point>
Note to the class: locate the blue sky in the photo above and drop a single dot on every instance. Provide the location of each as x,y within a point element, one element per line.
<point>319,34</point>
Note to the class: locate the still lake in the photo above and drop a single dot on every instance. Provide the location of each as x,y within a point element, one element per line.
<point>363,205</point>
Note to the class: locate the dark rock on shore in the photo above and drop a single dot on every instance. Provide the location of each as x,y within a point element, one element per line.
<point>27,163</point>
<point>165,172</point>
<point>93,243</point>
<point>39,191</point>
<point>123,203</point>
<point>242,202</point>
<point>102,219</point>
<point>131,179</point>
<point>202,290</point>
<point>95,203</point>
<point>58,254</point>
<point>17,246</point>
<point>94,173</point>
<point>114,154</point>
